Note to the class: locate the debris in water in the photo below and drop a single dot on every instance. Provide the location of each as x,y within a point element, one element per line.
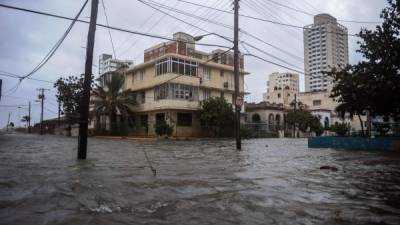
<point>332,168</point>
<point>102,209</point>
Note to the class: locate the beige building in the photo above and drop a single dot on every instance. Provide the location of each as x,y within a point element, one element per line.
<point>320,104</point>
<point>281,88</point>
<point>325,47</point>
<point>173,81</point>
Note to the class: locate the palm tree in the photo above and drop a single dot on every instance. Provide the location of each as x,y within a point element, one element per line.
<point>111,99</point>
<point>26,119</point>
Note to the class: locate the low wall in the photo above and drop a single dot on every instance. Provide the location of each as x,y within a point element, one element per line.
<point>355,143</point>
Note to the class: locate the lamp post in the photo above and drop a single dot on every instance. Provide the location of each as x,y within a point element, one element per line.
<point>237,98</point>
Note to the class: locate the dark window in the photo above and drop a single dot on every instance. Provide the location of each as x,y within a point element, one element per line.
<point>143,97</point>
<point>184,119</point>
<point>317,102</point>
<point>221,73</point>
<point>160,117</point>
<point>143,120</point>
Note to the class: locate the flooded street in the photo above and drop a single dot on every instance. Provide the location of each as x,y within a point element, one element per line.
<point>271,181</point>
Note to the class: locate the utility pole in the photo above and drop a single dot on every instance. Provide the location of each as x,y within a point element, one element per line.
<point>29,119</point>
<point>295,107</point>
<point>41,99</point>
<point>84,104</point>
<point>236,73</point>
<point>59,113</point>
<point>8,120</point>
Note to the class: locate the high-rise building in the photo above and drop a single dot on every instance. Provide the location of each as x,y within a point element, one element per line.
<point>281,88</point>
<point>107,65</point>
<point>325,47</point>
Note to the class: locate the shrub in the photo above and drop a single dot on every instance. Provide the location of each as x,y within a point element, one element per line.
<point>256,118</point>
<point>245,133</point>
<point>162,128</point>
<point>341,129</point>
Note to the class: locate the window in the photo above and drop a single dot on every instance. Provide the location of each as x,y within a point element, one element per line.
<point>206,94</point>
<point>184,119</point>
<point>160,117</point>
<point>175,91</point>
<point>279,95</point>
<point>141,74</point>
<point>142,97</point>
<point>143,120</point>
<point>175,65</point>
<point>162,66</point>
<point>317,102</point>
<point>206,73</point>
<point>222,94</point>
<point>221,73</point>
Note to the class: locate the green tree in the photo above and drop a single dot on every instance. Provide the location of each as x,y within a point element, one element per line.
<point>217,116</point>
<point>69,92</point>
<point>163,128</point>
<point>111,99</point>
<point>349,91</point>
<point>304,120</point>
<point>373,85</point>
<point>341,129</point>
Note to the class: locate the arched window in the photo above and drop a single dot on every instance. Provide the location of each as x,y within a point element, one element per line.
<point>271,121</point>
<point>278,121</point>
<point>256,118</point>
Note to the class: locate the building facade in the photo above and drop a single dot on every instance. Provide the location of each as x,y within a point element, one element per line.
<point>281,88</point>
<point>173,81</point>
<point>325,47</point>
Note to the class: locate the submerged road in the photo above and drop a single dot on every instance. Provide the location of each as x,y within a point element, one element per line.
<point>271,181</point>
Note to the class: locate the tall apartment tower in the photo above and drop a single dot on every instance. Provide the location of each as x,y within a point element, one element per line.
<point>325,47</point>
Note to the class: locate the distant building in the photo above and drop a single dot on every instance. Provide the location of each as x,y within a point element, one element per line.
<point>107,65</point>
<point>281,88</point>
<point>325,47</point>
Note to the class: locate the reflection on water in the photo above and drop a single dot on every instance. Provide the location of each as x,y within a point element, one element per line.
<point>271,181</point>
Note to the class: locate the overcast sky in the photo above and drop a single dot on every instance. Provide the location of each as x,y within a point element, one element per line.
<point>26,39</point>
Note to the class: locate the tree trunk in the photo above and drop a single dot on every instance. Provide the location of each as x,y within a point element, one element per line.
<point>362,125</point>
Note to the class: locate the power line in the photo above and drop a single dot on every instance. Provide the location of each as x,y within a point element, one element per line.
<point>105,26</point>
<point>29,78</point>
<point>109,31</point>
<point>310,14</point>
<point>261,19</point>
<point>270,55</point>
<point>56,46</point>
<point>179,11</point>
<point>140,27</point>
<point>51,111</point>
<point>214,22</point>
<point>251,17</point>
<point>270,62</point>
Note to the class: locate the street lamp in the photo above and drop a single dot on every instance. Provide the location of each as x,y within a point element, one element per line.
<point>198,38</point>
<point>238,98</point>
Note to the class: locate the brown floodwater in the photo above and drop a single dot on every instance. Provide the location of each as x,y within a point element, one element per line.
<point>271,181</point>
